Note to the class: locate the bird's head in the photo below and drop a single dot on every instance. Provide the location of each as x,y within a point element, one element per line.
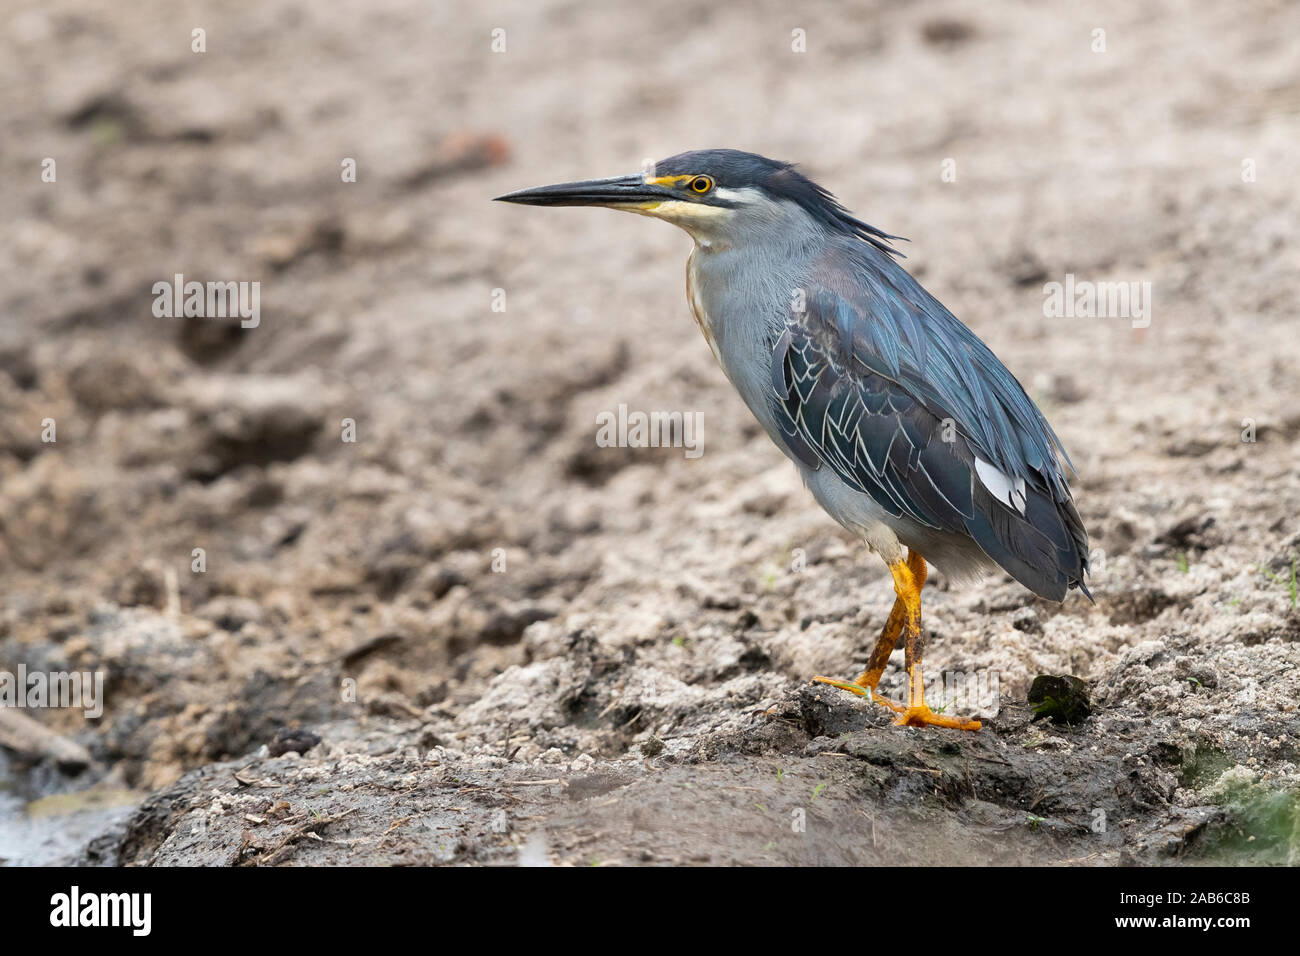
<point>717,195</point>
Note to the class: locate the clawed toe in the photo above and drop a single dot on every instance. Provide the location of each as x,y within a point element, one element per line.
<point>923,716</point>
<point>917,715</point>
<point>862,690</point>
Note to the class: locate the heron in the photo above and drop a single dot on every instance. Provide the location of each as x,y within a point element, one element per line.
<point>906,428</point>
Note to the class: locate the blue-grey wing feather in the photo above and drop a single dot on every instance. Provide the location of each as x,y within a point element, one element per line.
<point>881,383</point>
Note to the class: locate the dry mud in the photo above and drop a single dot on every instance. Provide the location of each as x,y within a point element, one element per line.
<point>494,641</point>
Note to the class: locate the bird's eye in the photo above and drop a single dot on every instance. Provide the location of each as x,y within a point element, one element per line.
<point>701,184</point>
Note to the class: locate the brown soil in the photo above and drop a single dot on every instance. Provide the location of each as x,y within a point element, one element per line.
<point>517,646</point>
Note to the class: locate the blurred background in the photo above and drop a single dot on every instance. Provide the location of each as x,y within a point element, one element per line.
<point>497,587</point>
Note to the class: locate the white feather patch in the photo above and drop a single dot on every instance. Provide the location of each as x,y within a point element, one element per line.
<point>1001,486</point>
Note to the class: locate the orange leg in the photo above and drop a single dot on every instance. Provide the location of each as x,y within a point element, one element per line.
<point>888,640</point>
<point>905,618</point>
<point>866,683</point>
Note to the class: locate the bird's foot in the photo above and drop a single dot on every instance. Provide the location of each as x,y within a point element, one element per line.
<point>922,716</point>
<point>862,690</point>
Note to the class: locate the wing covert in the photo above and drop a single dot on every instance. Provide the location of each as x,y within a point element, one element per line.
<point>905,404</point>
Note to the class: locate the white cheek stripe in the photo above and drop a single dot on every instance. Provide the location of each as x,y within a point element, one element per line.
<point>1001,486</point>
<point>745,195</point>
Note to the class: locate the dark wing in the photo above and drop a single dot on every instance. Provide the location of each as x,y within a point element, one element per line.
<point>905,404</point>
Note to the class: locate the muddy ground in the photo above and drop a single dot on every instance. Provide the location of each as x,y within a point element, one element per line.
<point>473,635</point>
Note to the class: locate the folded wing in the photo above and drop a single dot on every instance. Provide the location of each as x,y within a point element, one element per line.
<point>882,384</point>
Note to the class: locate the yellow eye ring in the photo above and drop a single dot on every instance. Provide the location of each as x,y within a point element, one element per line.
<point>701,185</point>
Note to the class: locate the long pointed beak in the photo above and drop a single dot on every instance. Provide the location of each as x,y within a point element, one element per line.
<point>618,191</point>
